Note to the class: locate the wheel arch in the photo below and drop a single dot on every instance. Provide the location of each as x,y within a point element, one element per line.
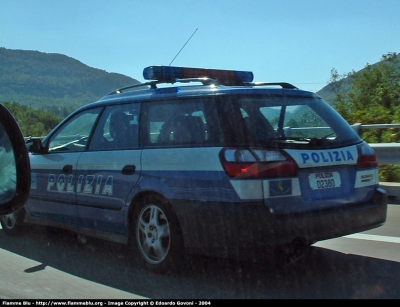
<point>137,199</point>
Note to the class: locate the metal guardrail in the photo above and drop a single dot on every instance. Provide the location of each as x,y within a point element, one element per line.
<point>388,153</point>
<point>358,126</point>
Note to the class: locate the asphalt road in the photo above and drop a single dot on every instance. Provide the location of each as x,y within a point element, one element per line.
<point>49,264</point>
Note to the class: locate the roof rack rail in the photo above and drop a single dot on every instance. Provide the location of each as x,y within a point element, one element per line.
<point>153,84</point>
<point>171,74</point>
<point>282,84</point>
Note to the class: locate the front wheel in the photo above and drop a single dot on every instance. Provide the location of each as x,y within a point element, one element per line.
<point>13,223</point>
<point>157,235</point>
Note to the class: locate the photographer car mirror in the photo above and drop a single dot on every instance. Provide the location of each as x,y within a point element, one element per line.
<point>15,172</point>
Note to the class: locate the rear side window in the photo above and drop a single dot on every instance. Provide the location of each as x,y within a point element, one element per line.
<point>180,123</point>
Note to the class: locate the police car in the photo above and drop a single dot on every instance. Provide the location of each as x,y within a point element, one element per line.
<point>203,160</point>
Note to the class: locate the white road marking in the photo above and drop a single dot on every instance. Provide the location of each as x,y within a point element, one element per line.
<point>361,236</point>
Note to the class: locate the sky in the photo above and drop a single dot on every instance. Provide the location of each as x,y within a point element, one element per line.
<point>293,41</point>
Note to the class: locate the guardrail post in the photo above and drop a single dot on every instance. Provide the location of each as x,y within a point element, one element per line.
<point>356,127</point>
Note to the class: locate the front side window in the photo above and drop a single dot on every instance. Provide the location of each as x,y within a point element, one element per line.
<point>74,134</point>
<point>118,128</point>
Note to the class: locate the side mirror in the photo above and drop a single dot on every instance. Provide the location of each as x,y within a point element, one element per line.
<point>15,170</point>
<point>35,146</point>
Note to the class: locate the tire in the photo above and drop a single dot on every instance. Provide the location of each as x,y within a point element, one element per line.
<point>156,235</point>
<point>13,223</point>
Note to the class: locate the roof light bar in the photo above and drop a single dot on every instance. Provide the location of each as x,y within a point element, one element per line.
<point>171,73</point>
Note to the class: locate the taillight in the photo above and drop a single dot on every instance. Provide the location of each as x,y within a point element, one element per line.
<point>366,156</point>
<point>246,163</point>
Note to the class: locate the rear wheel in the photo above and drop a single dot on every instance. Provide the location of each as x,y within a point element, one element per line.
<point>13,223</point>
<point>157,236</point>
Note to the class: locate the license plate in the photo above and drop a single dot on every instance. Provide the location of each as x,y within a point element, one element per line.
<point>324,180</point>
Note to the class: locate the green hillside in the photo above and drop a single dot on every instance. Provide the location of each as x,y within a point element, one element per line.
<point>53,82</point>
<point>344,82</point>
<point>59,84</point>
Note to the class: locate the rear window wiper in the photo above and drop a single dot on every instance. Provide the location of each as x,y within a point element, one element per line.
<point>298,141</point>
<point>291,140</point>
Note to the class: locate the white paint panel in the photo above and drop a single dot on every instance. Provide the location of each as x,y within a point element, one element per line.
<point>249,188</point>
<point>366,178</point>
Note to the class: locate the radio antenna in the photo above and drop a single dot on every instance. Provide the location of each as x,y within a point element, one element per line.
<point>183,47</point>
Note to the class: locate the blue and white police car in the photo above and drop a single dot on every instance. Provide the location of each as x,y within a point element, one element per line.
<point>203,160</point>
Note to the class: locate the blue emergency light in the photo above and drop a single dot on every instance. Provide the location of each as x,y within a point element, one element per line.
<point>172,73</point>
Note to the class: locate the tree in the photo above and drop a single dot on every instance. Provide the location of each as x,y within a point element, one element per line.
<point>32,122</point>
<point>372,97</point>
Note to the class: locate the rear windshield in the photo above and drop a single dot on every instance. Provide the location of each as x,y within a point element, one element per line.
<point>288,121</point>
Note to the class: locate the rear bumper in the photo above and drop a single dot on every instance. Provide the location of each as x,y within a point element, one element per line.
<point>222,226</point>
<point>331,223</point>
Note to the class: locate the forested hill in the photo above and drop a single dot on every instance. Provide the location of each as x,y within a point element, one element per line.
<point>59,84</point>
<point>53,82</point>
<point>344,84</point>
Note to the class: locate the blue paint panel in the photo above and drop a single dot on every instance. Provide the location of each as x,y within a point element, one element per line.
<point>191,185</point>
<point>102,202</point>
<point>50,198</point>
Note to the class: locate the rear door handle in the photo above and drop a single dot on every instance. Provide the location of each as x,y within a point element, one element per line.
<point>128,169</point>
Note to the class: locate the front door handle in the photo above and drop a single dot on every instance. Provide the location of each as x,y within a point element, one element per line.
<point>67,169</point>
<point>128,169</point>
